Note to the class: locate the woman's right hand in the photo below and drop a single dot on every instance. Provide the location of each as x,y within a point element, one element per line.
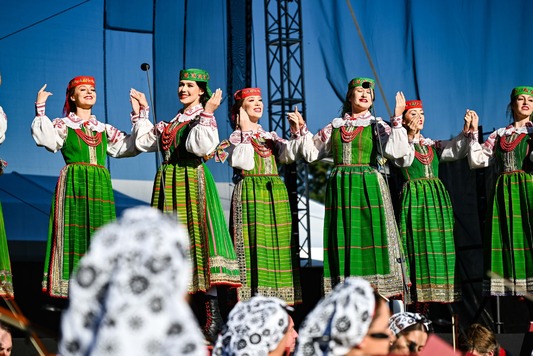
<point>138,101</point>
<point>42,95</point>
<point>243,120</point>
<point>400,104</point>
<point>471,121</point>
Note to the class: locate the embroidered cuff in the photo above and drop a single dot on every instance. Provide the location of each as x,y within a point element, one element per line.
<point>40,109</point>
<point>396,122</point>
<point>207,119</point>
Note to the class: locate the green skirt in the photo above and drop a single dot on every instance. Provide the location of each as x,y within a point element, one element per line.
<point>426,225</point>
<point>83,202</point>
<point>261,223</point>
<point>360,233</point>
<point>187,189</point>
<point>6,280</point>
<point>509,245</point>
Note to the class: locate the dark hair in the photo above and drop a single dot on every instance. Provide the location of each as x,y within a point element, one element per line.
<point>234,112</point>
<point>203,98</point>
<point>3,326</point>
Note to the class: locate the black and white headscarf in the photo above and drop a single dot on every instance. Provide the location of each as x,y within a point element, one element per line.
<point>128,294</point>
<point>340,320</point>
<point>400,321</point>
<point>255,327</point>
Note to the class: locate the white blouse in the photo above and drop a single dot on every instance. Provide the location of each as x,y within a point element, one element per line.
<point>202,139</point>
<point>52,134</point>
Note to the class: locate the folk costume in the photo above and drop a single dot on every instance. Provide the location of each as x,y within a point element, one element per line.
<point>261,219</point>
<point>128,294</point>
<point>360,233</point>
<point>83,199</point>
<point>426,216</point>
<point>184,186</point>
<point>508,247</point>
<point>6,278</point>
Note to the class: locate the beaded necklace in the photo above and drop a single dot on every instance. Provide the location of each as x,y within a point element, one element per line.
<point>168,137</point>
<point>425,158</point>
<point>509,146</point>
<point>89,139</point>
<point>349,135</point>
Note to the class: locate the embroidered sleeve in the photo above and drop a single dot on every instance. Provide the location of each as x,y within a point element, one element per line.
<point>452,150</point>
<point>241,152</point>
<point>119,143</point>
<point>48,134</point>
<point>480,156</point>
<point>203,136</point>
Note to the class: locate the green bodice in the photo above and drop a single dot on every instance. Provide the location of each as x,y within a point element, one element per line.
<point>419,169</point>
<point>176,151</point>
<point>360,151</point>
<point>75,150</point>
<point>517,159</point>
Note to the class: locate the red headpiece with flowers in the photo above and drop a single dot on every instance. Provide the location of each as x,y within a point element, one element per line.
<point>246,92</point>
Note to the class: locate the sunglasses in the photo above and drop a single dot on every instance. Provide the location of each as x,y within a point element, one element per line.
<point>379,335</point>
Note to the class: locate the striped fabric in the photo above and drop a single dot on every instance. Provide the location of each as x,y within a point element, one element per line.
<point>360,233</point>
<point>509,244</point>
<point>184,186</point>
<point>6,282</point>
<point>426,226</point>
<point>83,202</point>
<point>261,223</point>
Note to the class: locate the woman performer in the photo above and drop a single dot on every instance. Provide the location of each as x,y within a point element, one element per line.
<point>509,230</point>
<point>184,186</point>
<point>360,232</point>
<point>261,220</point>
<point>83,199</point>
<point>6,278</point>
<point>426,215</point>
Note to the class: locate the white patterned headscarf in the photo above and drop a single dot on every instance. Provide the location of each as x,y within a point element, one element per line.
<point>128,294</point>
<point>340,320</point>
<point>255,327</point>
<point>400,321</point>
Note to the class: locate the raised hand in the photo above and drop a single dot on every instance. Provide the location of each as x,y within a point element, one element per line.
<point>400,104</point>
<point>137,100</point>
<point>42,95</point>
<point>214,102</point>
<point>471,121</point>
<point>296,120</point>
<point>243,120</point>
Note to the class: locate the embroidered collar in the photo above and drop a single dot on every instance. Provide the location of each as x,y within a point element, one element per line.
<point>190,114</point>
<point>261,133</point>
<point>509,130</point>
<point>75,122</point>
<point>348,120</point>
<point>424,141</point>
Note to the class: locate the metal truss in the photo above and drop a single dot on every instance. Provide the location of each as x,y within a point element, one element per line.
<point>284,50</point>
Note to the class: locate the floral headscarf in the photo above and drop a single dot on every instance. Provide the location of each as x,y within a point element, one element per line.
<point>255,327</point>
<point>128,294</point>
<point>340,321</point>
<point>400,321</point>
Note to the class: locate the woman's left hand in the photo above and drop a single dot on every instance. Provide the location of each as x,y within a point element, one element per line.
<point>214,102</point>
<point>296,120</point>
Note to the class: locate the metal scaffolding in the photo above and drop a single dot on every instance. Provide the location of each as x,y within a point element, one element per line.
<point>284,50</point>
